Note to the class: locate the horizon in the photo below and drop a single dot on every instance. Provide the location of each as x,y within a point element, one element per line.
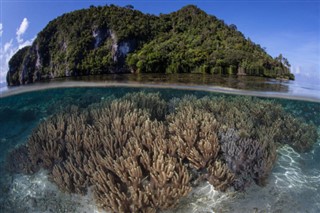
<point>293,29</point>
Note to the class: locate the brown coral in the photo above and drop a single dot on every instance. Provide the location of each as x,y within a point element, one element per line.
<point>220,176</point>
<point>70,175</point>
<point>151,102</point>
<point>194,133</point>
<point>141,174</point>
<point>46,144</point>
<point>138,158</point>
<point>117,149</point>
<point>254,117</point>
<point>147,182</point>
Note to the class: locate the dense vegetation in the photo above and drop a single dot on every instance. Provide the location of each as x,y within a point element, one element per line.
<point>115,39</point>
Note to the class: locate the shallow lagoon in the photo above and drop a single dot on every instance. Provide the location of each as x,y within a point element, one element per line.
<point>292,186</point>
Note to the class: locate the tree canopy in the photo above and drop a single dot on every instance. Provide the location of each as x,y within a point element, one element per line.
<point>112,39</point>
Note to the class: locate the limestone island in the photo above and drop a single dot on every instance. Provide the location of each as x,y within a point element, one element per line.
<point>113,39</point>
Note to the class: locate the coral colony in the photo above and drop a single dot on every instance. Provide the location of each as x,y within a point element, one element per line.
<point>141,153</point>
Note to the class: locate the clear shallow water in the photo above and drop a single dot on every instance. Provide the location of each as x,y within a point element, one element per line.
<point>298,89</point>
<point>293,186</point>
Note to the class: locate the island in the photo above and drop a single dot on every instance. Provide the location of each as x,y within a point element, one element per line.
<point>113,39</point>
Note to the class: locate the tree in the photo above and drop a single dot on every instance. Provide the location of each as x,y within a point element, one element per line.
<point>233,27</point>
<point>129,6</point>
<point>284,61</point>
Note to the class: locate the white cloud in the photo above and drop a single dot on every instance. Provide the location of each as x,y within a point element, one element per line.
<point>6,52</point>
<point>11,47</point>
<point>26,43</point>
<point>7,46</point>
<point>296,69</point>
<point>1,29</point>
<point>22,29</point>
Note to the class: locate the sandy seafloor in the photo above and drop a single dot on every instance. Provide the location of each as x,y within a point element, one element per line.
<point>293,186</point>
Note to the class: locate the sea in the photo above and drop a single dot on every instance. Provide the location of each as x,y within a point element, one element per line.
<point>292,186</point>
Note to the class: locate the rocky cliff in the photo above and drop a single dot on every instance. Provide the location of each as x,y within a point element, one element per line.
<point>115,39</point>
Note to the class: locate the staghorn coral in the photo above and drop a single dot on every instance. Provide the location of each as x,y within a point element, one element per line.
<point>117,123</point>
<point>46,144</point>
<point>220,176</point>
<point>296,133</point>
<point>108,192</point>
<point>148,181</point>
<point>248,159</point>
<point>70,176</point>
<point>147,178</point>
<point>254,117</point>
<point>151,102</point>
<point>169,179</point>
<point>142,154</point>
<point>194,133</point>
<point>114,147</point>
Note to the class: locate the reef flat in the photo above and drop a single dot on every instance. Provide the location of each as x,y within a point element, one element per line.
<point>145,152</point>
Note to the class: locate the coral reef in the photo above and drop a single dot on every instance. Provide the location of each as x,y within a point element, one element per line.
<point>220,176</point>
<point>296,133</point>
<point>194,134</point>
<point>254,117</point>
<point>248,159</point>
<point>46,144</point>
<point>140,153</point>
<point>152,102</point>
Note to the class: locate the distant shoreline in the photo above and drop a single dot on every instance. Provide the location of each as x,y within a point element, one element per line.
<point>178,86</point>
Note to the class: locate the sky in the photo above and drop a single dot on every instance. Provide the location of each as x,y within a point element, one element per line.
<point>290,27</point>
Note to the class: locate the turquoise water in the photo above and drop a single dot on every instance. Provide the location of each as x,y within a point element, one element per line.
<point>293,184</point>
<point>19,114</point>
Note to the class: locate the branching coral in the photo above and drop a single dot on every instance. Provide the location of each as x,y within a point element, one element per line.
<point>194,133</point>
<point>151,102</point>
<point>46,144</point>
<point>248,159</point>
<point>169,179</point>
<point>149,180</point>
<point>147,176</point>
<point>70,175</point>
<point>220,176</point>
<point>296,133</point>
<point>257,118</point>
<point>140,153</point>
<point>116,148</point>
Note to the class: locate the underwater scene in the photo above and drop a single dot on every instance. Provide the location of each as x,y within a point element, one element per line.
<point>135,149</point>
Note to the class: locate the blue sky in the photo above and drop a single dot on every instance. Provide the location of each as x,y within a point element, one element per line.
<point>284,26</point>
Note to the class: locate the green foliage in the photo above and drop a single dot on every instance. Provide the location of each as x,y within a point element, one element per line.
<point>13,76</point>
<point>88,41</point>
<point>200,43</point>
